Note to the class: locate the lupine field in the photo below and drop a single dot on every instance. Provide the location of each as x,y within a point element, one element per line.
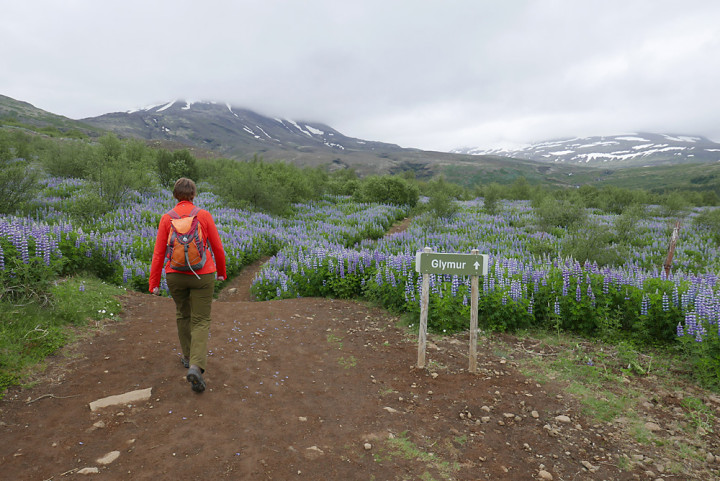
<point>335,247</point>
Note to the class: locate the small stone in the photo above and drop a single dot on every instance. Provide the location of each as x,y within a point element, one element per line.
<point>99,424</point>
<point>434,375</point>
<point>302,419</point>
<point>108,458</point>
<point>509,415</point>
<point>562,419</point>
<point>589,466</point>
<point>652,427</point>
<point>710,458</point>
<point>485,419</point>
<point>485,408</point>
<point>545,475</point>
<point>390,410</point>
<point>89,471</point>
<point>313,452</point>
<point>535,414</point>
<point>367,446</point>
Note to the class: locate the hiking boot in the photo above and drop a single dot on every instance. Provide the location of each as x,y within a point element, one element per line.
<point>194,376</point>
<point>185,362</point>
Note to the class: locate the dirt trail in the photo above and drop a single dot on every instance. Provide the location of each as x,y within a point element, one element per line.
<point>309,388</point>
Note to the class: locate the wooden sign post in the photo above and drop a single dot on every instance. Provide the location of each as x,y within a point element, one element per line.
<point>428,262</point>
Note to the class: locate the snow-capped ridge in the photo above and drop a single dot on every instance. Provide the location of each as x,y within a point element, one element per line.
<point>647,148</point>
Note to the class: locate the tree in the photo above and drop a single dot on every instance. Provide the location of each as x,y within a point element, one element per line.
<point>18,184</point>
<point>387,190</point>
<point>520,189</point>
<point>559,213</point>
<point>492,198</point>
<point>172,166</point>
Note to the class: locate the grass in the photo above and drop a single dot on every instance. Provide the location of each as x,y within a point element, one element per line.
<point>334,340</point>
<point>612,381</point>
<point>347,363</point>
<point>29,333</point>
<point>402,447</point>
<point>700,417</point>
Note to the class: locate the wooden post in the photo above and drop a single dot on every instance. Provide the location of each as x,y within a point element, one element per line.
<point>424,302</point>
<point>474,292</point>
<point>671,249</point>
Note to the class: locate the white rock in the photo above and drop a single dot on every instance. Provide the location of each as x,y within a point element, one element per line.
<point>545,475</point>
<point>562,419</point>
<point>367,446</point>
<point>140,395</point>
<point>390,410</point>
<point>302,419</point>
<point>535,414</point>
<point>108,458</point>
<point>313,452</point>
<point>89,471</point>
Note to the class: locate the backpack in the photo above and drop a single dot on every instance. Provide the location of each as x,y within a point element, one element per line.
<point>186,250</point>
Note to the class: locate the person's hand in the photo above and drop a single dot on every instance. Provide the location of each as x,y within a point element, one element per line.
<point>156,291</point>
<point>221,278</point>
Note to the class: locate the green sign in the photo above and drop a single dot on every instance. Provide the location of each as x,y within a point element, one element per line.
<point>451,264</point>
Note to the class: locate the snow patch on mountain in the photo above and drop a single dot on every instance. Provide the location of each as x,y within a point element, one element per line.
<point>626,148</point>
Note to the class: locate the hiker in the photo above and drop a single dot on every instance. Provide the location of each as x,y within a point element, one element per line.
<point>191,286</point>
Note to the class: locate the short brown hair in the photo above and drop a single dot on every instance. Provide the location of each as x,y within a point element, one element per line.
<point>185,189</point>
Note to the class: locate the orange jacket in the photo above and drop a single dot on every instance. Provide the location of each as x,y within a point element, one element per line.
<point>210,233</point>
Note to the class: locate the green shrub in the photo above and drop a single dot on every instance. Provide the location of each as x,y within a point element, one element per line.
<point>387,190</point>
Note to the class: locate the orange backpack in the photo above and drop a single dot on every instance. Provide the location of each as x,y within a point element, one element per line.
<point>186,249</point>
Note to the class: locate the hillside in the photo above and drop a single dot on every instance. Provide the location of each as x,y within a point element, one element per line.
<point>15,112</point>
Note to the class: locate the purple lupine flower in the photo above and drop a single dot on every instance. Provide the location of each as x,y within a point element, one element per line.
<point>680,331</point>
<point>566,281</point>
<point>531,303</point>
<point>591,295</point>
<point>644,305</point>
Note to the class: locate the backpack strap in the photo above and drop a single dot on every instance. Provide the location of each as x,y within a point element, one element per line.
<point>175,215</point>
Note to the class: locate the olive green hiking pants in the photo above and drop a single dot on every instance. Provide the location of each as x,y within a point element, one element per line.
<point>193,300</point>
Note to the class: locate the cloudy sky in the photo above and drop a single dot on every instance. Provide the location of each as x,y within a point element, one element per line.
<point>419,73</point>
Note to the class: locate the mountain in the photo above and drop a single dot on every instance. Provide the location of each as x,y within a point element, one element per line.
<point>628,150</point>
<point>238,133</point>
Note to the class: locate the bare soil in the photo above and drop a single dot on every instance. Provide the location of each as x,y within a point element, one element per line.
<point>316,389</point>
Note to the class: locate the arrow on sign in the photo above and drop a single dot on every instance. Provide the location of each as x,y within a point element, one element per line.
<point>477,265</point>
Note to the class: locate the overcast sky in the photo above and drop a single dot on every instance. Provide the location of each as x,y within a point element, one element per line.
<point>419,73</point>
